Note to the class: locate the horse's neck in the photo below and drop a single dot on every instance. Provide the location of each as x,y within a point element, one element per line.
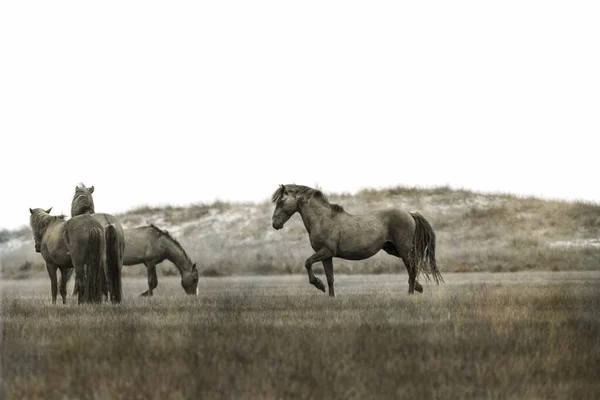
<point>313,213</point>
<point>176,255</point>
<point>47,224</point>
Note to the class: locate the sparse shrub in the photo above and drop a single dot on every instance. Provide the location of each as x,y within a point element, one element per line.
<point>211,272</point>
<point>27,270</point>
<point>475,232</point>
<point>170,270</point>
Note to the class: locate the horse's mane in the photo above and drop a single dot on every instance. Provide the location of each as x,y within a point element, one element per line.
<point>304,194</point>
<point>82,202</point>
<point>40,221</point>
<point>161,232</point>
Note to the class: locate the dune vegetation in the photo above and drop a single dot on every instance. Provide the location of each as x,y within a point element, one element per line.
<point>475,232</point>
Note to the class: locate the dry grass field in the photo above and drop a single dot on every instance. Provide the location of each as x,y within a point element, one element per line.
<point>518,316</point>
<point>523,335</point>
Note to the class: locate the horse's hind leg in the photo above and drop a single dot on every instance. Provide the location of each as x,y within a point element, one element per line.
<point>64,277</point>
<point>412,272</point>
<point>328,267</point>
<point>417,286</point>
<point>52,273</point>
<point>412,277</point>
<point>79,281</point>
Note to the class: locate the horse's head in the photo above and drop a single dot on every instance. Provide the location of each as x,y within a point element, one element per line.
<point>82,187</point>
<point>286,205</point>
<point>37,232</point>
<point>189,281</point>
<point>83,202</point>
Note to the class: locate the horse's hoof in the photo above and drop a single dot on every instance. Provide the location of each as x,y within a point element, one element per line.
<point>319,284</point>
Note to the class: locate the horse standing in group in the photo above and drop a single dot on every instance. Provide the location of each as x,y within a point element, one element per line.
<point>77,244</point>
<point>335,233</point>
<point>83,204</point>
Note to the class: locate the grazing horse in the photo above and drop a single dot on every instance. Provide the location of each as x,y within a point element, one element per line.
<point>77,243</point>
<point>150,245</point>
<point>83,204</point>
<point>335,233</point>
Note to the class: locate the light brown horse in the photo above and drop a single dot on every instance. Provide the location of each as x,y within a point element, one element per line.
<point>335,233</point>
<point>83,204</point>
<point>150,245</point>
<point>77,243</point>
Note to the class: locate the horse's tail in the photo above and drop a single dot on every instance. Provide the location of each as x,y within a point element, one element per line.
<point>114,257</point>
<point>422,253</point>
<point>94,268</point>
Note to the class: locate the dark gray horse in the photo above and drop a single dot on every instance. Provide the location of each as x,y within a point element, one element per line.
<point>77,243</point>
<point>83,204</point>
<point>335,233</point>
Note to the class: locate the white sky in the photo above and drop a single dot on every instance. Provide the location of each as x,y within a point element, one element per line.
<point>180,102</point>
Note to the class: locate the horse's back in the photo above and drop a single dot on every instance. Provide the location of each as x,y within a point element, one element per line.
<point>140,244</point>
<point>397,217</point>
<point>109,219</point>
<point>77,233</point>
<point>400,225</point>
<point>82,224</point>
<point>54,247</point>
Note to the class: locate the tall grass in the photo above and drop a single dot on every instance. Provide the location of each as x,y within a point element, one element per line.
<point>531,337</point>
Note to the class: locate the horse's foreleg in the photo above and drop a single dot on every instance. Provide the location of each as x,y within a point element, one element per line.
<point>152,279</point>
<point>328,267</point>
<point>52,273</point>
<point>320,255</point>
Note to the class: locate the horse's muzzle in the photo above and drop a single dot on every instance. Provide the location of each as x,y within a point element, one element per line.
<point>277,226</point>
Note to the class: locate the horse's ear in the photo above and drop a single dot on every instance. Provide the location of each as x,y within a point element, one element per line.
<point>284,190</point>
<point>30,211</point>
<point>193,266</point>
<point>48,210</point>
<point>91,189</point>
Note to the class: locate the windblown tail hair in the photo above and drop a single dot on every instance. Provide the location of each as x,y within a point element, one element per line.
<point>94,267</point>
<point>114,257</point>
<point>422,253</point>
